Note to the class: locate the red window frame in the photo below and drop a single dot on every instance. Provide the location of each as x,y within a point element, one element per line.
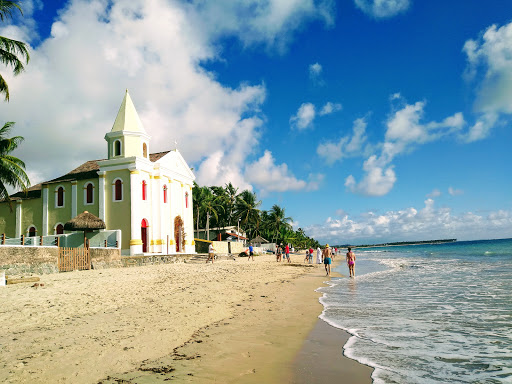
<point>144,190</point>
<point>165,194</point>
<point>89,194</point>
<point>60,197</point>
<point>186,199</point>
<point>118,186</point>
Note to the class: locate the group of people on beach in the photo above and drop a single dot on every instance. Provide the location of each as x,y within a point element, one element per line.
<point>324,256</point>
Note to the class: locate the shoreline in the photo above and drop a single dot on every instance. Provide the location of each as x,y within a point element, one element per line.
<point>227,322</point>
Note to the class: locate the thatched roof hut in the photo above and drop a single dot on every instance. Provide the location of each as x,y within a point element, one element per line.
<point>258,240</point>
<point>85,222</point>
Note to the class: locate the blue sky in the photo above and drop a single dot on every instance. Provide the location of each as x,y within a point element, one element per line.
<point>368,120</point>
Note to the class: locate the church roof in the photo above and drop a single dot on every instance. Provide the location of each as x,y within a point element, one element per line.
<point>127,118</point>
<point>87,170</point>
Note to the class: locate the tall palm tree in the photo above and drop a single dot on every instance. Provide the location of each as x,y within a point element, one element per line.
<point>11,50</point>
<point>246,208</point>
<point>231,194</point>
<point>12,169</point>
<point>278,222</point>
<point>212,207</point>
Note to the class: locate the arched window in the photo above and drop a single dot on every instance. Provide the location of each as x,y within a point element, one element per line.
<point>144,150</point>
<point>60,197</point>
<point>118,190</point>
<point>59,229</point>
<point>117,148</point>
<point>186,199</point>
<point>144,190</point>
<point>165,194</point>
<point>32,231</point>
<point>89,193</point>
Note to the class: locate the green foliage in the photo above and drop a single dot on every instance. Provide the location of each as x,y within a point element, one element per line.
<point>217,207</point>
<point>12,169</point>
<point>11,50</point>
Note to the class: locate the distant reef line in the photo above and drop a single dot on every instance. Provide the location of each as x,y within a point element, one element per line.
<point>399,243</point>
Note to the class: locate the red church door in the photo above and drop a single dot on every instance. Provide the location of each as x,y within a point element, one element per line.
<point>144,235</point>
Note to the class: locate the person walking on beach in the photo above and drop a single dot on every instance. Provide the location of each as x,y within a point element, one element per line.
<point>211,251</point>
<point>279,252</point>
<point>251,253</point>
<point>327,260</point>
<point>306,259</point>
<point>319,259</point>
<point>351,262</point>
<point>287,252</point>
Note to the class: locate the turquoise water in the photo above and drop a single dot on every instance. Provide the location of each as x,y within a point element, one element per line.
<point>428,313</point>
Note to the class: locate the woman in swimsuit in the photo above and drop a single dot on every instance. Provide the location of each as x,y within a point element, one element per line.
<point>351,262</point>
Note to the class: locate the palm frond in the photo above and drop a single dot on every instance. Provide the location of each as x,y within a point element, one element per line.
<point>7,8</point>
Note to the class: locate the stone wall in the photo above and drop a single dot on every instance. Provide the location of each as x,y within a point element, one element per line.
<point>221,247</point>
<point>27,260</point>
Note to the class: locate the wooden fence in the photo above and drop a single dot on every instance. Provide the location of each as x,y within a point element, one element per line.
<point>71,259</point>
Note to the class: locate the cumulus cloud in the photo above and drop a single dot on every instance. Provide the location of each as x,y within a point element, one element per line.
<point>329,108</point>
<point>404,131</point>
<point>346,146</point>
<point>489,64</point>
<point>76,79</point>
<point>410,224</point>
<point>380,9</point>
<point>271,177</point>
<point>304,117</point>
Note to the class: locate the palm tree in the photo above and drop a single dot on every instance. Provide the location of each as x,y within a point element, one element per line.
<point>212,207</point>
<point>11,50</point>
<point>231,194</point>
<point>12,169</point>
<point>277,221</point>
<point>246,208</point>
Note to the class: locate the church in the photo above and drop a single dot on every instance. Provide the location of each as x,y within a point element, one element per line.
<point>148,196</point>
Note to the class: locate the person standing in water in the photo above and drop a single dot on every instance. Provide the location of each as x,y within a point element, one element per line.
<point>351,262</point>
<point>327,260</point>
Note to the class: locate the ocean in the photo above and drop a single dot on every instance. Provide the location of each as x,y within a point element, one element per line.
<point>439,313</point>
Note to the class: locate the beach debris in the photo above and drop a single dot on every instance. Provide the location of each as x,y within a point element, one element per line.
<point>167,369</point>
<point>23,280</point>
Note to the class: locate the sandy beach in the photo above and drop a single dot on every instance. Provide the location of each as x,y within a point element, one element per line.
<point>233,321</point>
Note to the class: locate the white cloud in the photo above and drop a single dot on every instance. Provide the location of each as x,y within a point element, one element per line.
<point>410,224</point>
<point>434,193</point>
<point>347,146</point>
<point>405,131</point>
<point>489,62</point>
<point>382,8</point>
<point>315,70</point>
<point>76,78</point>
<point>270,177</point>
<point>378,180</point>
<point>270,22</point>
<point>455,192</point>
<point>329,108</point>
<point>304,117</point>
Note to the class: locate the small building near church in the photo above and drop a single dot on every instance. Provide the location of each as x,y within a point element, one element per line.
<point>148,196</point>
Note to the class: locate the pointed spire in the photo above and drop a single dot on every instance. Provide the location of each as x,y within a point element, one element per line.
<point>127,118</point>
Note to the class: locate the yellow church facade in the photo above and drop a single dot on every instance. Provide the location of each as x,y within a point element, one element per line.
<point>148,196</point>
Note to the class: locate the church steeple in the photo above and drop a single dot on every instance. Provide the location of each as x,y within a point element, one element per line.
<point>128,137</point>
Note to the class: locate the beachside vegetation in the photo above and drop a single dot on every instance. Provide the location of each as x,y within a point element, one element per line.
<point>217,207</point>
<point>12,52</point>
<point>12,169</point>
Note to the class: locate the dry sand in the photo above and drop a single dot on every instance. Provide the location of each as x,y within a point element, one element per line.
<point>233,321</point>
